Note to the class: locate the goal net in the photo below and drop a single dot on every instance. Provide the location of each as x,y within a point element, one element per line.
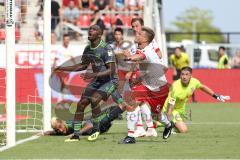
<point>25,95</point>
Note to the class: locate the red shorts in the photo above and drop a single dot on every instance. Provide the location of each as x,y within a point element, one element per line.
<point>156,99</point>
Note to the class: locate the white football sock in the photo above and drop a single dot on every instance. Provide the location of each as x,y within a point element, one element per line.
<point>147,116</point>
<point>139,120</point>
<point>165,120</point>
<point>132,118</point>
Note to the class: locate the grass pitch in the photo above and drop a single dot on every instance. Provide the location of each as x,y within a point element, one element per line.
<point>214,133</point>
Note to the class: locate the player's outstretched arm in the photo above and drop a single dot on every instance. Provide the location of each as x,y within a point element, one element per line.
<point>136,57</point>
<point>210,92</point>
<point>74,68</point>
<point>109,71</point>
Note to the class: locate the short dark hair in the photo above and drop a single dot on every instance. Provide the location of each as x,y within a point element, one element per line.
<point>139,19</point>
<point>187,68</point>
<point>66,35</point>
<point>118,29</point>
<point>150,33</point>
<point>223,48</point>
<point>178,48</point>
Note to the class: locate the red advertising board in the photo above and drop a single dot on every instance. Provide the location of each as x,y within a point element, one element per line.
<point>29,84</point>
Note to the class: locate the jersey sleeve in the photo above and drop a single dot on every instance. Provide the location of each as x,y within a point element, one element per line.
<point>197,84</point>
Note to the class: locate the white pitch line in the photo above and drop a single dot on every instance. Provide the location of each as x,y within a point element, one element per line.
<point>19,142</point>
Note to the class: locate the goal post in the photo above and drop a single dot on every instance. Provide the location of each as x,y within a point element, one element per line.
<point>10,73</point>
<point>46,65</point>
<point>27,112</point>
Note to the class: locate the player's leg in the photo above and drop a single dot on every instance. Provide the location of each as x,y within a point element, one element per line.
<point>147,116</point>
<point>78,117</point>
<point>95,100</point>
<point>81,105</point>
<point>178,120</point>
<point>142,94</point>
<point>132,118</point>
<point>156,100</point>
<point>102,93</point>
<point>168,125</point>
<point>140,131</point>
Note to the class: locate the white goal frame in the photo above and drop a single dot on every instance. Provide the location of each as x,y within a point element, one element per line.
<point>11,73</point>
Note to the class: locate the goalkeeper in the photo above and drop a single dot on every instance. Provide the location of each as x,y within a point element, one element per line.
<point>174,108</point>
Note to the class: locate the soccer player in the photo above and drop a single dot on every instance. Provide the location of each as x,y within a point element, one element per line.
<point>118,48</point>
<point>137,24</point>
<point>101,124</point>
<point>174,107</point>
<point>151,87</point>
<point>102,60</point>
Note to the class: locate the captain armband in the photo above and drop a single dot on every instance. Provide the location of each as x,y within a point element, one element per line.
<point>172,101</point>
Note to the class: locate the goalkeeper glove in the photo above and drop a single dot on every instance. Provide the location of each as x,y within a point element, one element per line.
<point>221,97</point>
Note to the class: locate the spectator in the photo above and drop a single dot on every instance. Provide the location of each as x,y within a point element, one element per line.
<point>18,13</point>
<point>96,19</point>
<point>119,5</point>
<point>141,4</point>
<point>223,62</point>
<point>135,5</point>
<point>39,27</point>
<point>178,60</point>
<point>55,18</point>
<point>102,4</point>
<point>53,38</point>
<point>65,3</point>
<point>132,5</point>
<point>236,60</point>
<point>118,20</point>
<point>110,35</point>
<point>64,57</point>
<point>23,10</point>
<point>40,3</point>
<point>85,4</point>
<point>2,11</point>
<point>71,13</point>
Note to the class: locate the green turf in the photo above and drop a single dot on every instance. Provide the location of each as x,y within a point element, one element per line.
<point>214,133</point>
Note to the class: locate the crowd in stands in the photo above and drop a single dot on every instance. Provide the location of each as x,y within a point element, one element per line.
<point>20,14</point>
<point>83,13</point>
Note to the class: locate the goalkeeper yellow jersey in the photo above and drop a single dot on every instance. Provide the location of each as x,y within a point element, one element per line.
<point>180,94</point>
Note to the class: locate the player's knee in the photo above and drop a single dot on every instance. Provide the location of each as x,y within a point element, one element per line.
<point>181,127</point>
